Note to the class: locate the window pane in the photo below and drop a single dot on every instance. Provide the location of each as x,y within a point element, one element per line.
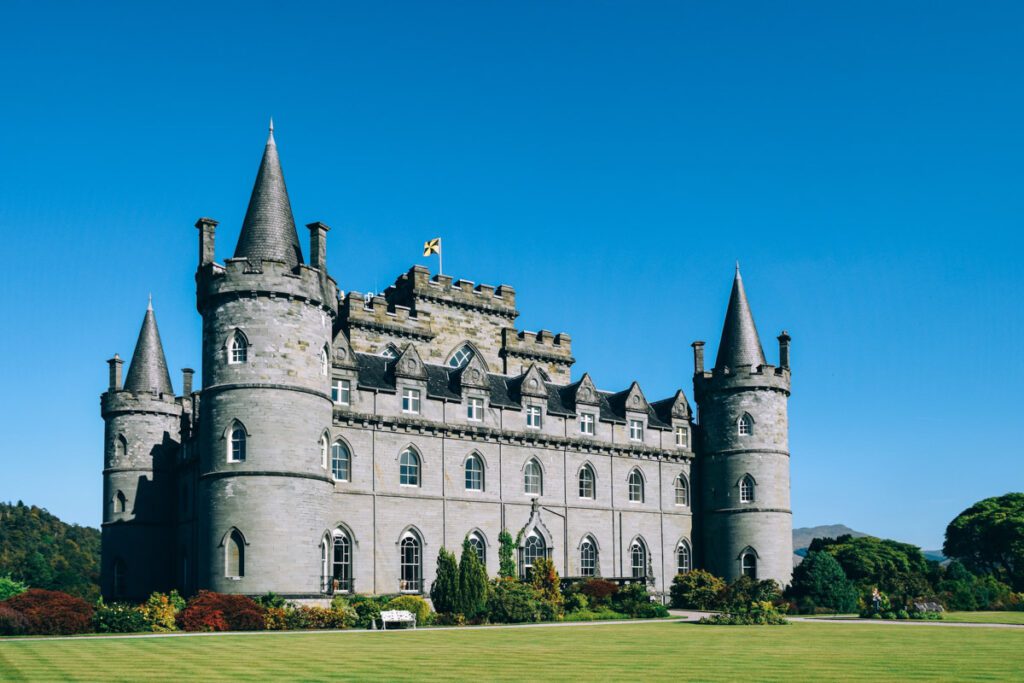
<point>410,560</point>
<point>341,461</point>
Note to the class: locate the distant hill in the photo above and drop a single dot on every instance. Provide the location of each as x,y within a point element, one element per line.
<point>44,552</point>
<point>803,536</point>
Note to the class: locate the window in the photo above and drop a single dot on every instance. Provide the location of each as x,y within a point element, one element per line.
<point>341,392</point>
<point>120,502</point>
<point>682,491</point>
<point>587,482</point>
<point>236,444</point>
<point>120,577</point>
<point>390,351</point>
<point>748,564</point>
<point>120,446</point>
<point>234,555</point>
<point>683,563</point>
<point>587,424</point>
<point>638,559</point>
<point>636,487</point>
<point>238,349</point>
<point>747,489</point>
<point>337,560</point>
<point>682,437</point>
<point>324,450</point>
<point>533,479</point>
<point>461,357</point>
<point>341,462</point>
<point>533,549</point>
<point>588,557</point>
<point>533,417</point>
<point>636,430</point>
<point>325,362</point>
<point>409,468</point>
<point>745,425</point>
<point>409,557</point>
<point>475,409</point>
<point>474,473</point>
<point>476,542</point>
<point>411,401</point>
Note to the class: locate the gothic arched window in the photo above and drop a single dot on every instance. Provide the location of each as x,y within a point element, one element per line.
<point>636,486</point>
<point>684,561</point>
<point>638,559</point>
<point>745,425</point>
<point>748,564</point>
<point>474,473</point>
<point>461,357</point>
<point>238,348</point>
<point>120,502</point>
<point>341,462</point>
<point>588,557</point>
<point>587,482</point>
<point>533,549</point>
<point>237,443</point>
<point>325,361</point>
<point>410,559</point>
<point>234,555</point>
<point>747,489</point>
<point>533,478</point>
<point>476,541</point>
<point>682,491</point>
<point>337,562</point>
<point>409,468</point>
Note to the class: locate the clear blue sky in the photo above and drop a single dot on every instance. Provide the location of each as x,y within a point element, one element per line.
<point>610,160</point>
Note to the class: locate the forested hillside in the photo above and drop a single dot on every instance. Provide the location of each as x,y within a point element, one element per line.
<point>44,552</point>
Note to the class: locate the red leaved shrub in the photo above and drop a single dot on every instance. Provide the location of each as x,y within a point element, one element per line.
<point>51,612</point>
<point>12,623</point>
<point>599,591</point>
<point>221,612</point>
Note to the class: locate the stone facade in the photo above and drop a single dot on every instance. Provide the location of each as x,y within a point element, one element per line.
<point>338,442</point>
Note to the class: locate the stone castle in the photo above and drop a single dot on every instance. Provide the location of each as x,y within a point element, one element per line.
<point>338,441</point>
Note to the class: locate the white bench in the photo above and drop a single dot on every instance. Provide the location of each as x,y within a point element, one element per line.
<point>396,616</point>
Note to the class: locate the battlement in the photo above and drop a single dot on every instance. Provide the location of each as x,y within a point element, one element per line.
<point>417,284</point>
<point>377,312</point>
<point>745,377</point>
<point>542,345</point>
<point>121,401</point>
<point>241,277</point>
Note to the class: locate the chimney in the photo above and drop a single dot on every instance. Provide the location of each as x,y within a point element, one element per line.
<point>115,364</point>
<point>318,246</point>
<point>206,226</point>
<point>186,381</point>
<point>698,357</point>
<point>784,350</point>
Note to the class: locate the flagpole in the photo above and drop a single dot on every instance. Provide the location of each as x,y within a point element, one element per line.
<point>440,257</point>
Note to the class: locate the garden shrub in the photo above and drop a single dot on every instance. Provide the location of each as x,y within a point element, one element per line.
<point>544,578</point>
<point>12,622</point>
<point>761,613</point>
<point>367,613</point>
<point>275,619</point>
<point>52,612</point>
<point>819,581</point>
<point>444,591</point>
<point>472,583</point>
<point>209,611</point>
<point>9,588</point>
<point>506,555</point>
<point>512,602</point>
<point>307,617</point>
<point>161,611</point>
<point>119,617</point>
<point>696,589</point>
<point>411,603</point>
<point>576,602</point>
<point>599,591</point>
<point>635,601</point>
<point>743,591</point>
<point>269,600</point>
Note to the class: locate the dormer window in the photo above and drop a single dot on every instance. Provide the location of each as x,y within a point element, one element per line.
<point>341,392</point>
<point>587,424</point>
<point>238,349</point>
<point>411,401</point>
<point>461,357</point>
<point>636,430</point>
<point>475,409</point>
<point>682,437</point>
<point>390,351</point>
<point>533,417</point>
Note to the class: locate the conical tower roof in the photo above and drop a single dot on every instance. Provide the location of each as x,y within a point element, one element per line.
<point>268,231</point>
<point>148,371</point>
<point>740,344</point>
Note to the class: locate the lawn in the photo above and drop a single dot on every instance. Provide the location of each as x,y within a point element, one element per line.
<point>660,651</point>
<point>984,617</point>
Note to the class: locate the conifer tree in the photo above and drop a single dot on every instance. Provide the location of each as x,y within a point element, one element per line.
<point>472,582</point>
<point>444,592</point>
<point>506,555</point>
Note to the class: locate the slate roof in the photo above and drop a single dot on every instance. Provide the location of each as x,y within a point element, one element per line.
<point>740,344</point>
<point>268,231</point>
<point>148,369</point>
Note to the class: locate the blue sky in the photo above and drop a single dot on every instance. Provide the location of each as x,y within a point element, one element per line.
<point>610,160</point>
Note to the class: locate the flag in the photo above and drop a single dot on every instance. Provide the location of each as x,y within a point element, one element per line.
<point>432,246</point>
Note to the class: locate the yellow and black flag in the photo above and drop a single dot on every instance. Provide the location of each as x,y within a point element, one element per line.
<point>432,246</point>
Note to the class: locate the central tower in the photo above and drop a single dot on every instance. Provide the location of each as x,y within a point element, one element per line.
<point>265,406</point>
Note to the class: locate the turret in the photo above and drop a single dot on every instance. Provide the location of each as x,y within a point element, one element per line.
<point>744,458</point>
<point>142,438</point>
<point>265,403</point>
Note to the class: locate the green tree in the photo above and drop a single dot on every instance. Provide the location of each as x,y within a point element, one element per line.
<point>895,568</point>
<point>472,582</point>
<point>444,592</point>
<point>506,555</point>
<point>696,589</point>
<point>9,587</point>
<point>821,582</point>
<point>544,578</point>
<point>988,538</point>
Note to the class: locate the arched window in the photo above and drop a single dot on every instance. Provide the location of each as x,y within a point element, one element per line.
<point>748,564</point>
<point>341,462</point>
<point>390,351</point>
<point>588,557</point>
<point>409,468</point>
<point>636,486</point>
<point>337,559</point>
<point>533,479</point>
<point>476,541</point>
<point>747,489</point>
<point>682,491</point>
<point>120,446</point>
<point>324,451</point>
<point>120,502</point>
<point>638,559</point>
<point>474,473</point>
<point>120,577</point>
<point>234,555</point>
<point>587,482</point>
<point>461,357</point>
<point>533,549</point>
<point>325,361</point>
<point>410,559</point>
<point>683,559</point>
<point>745,424</point>
<point>236,443</point>
<point>238,348</point>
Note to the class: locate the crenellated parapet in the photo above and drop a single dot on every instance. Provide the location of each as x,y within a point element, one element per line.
<point>417,285</point>
<point>243,278</point>
<point>376,313</point>
<point>743,378</point>
<point>552,351</point>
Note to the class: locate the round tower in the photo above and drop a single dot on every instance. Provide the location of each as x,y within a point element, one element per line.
<point>265,403</point>
<point>141,441</point>
<point>747,523</point>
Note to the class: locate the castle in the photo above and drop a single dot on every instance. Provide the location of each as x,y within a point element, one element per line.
<point>338,441</point>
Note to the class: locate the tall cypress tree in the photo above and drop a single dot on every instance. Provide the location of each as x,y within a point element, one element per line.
<point>506,555</point>
<point>472,582</point>
<point>444,592</point>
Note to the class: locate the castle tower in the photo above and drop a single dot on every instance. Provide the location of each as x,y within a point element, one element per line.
<point>744,461</point>
<point>265,404</point>
<point>142,438</point>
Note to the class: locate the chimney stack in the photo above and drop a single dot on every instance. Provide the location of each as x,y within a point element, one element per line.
<point>318,246</point>
<point>115,364</point>
<point>698,357</point>
<point>206,226</point>
<point>186,381</point>
<point>784,350</point>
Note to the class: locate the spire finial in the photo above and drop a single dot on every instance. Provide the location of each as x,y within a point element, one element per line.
<point>150,306</point>
<point>270,135</point>
<point>737,268</point>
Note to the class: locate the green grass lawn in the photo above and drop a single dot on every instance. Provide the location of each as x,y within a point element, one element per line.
<point>984,617</point>
<point>662,651</point>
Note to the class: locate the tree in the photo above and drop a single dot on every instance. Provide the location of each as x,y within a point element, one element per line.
<point>988,538</point>
<point>820,581</point>
<point>544,578</point>
<point>472,582</point>
<point>696,589</point>
<point>896,568</point>
<point>506,555</point>
<point>444,592</point>
<point>9,587</point>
